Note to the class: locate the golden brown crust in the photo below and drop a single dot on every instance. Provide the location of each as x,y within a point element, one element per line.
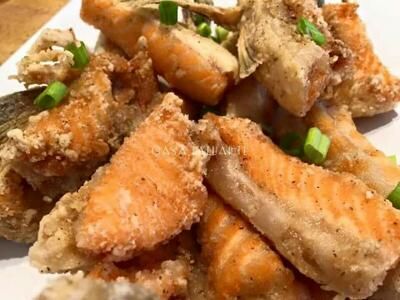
<point>370,89</point>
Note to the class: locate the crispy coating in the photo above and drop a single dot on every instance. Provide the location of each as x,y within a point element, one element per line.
<point>194,65</point>
<point>151,190</point>
<point>62,147</point>
<point>231,246</point>
<point>370,89</point>
<point>332,227</point>
<point>78,287</point>
<point>351,152</point>
<point>21,209</point>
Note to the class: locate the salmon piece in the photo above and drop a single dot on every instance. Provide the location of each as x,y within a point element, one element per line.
<point>62,147</point>
<point>370,88</point>
<point>196,66</point>
<point>151,190</point>
<point>331,227</point>
<point>351,152</point>
<point>21,208</point>
<point>231,246</point>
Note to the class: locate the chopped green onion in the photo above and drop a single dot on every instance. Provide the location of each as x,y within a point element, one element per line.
<point>168,12</point>
<point>221,34</point>
<point>292,144</point>
<point>204,29</point>
<point>198,19</point>
<point>305,27</point>
<point>316,146</point>
<point>393,158</point>
<point>81,55</point>
<point>52,95</point>
<point>394,197</point>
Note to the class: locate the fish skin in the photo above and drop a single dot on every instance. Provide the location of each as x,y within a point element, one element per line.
<point>151,190</point>
<point>232,246</point>
<point>330,226</point>
<point>370,89</point>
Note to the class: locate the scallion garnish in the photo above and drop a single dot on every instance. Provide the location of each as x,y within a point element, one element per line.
<point>316,146</point>
<point>393,158</point>
<point>204,29</point>
<point>305,27</point>
<point>81,54</point>
<point>198,19</point>
<point>221,34</point>
<point>394,197</point>
<point>168,12</point>
<point>292,143</point>
<point>52,95</point>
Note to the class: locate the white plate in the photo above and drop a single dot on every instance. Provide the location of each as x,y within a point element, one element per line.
<point>19,281</point>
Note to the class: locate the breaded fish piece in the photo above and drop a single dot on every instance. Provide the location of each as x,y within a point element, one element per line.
<point>240,264</point>
<point>370,89</point>
<point>62,147</point>
<point>151,190</point>
<point>196,66</point>
<point>79,287</point>
<point>332,227</point>
<point>351,152</point>
<point>21,208</point>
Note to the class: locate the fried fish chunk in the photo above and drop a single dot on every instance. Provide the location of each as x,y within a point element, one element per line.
<point>62,147</point>
<point>78,287</point>
<point>21,208</point>
<point>331,227</point>
<point>231,246</point>
<point>351,152</point>
<point>370,89</point>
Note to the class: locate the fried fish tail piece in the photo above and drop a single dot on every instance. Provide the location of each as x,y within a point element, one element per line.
<point>150,192</point>
<point>194,65</point>
<point>330,226</point>
<point>62,147</point>
<point>351,151</point>
<point>292,67</point>
<point>21,209</point>
<point>371,89</point>
<point>231,246</point>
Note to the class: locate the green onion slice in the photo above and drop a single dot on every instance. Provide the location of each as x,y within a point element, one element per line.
<point>81,54</point>
<point>221,33</point>
<point>316,146</point>
<point>394,197</point>
<point>204,29</point>
<point>198,19</point>
<point>168,12</point>
<point>292,144</point>
<point>305,27</point>
<point>52,95</point>
<point>393,158</point>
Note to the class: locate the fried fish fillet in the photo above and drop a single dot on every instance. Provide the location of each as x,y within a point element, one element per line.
<point>351,152</point>
<point>78,287</point>
<point>370,89</point>
<point>240,264</point>
<point>62,147</point>
<point>21,208</point>
<point>194,65</point>
<point>293,68</point>
<point>330,226</point>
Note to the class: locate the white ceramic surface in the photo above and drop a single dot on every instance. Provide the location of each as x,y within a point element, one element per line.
<point>19,281</point>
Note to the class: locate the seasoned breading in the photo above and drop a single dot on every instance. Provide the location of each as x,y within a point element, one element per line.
<point>62,147</point>
<point>231,246</point>
<point>21,209</point>
<point>78,287</point>
<point>351,152</point>
<point>194,65</point>
<point>151,190</point>
<point>330,226</point>
<point>370,89</point>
